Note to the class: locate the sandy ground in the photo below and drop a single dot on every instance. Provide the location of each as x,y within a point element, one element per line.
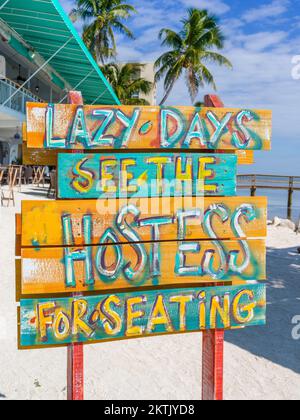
<point>260,363</point>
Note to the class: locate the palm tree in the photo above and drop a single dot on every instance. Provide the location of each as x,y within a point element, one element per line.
<point>127,82</point>
<point>191,49</point>
<point>199,104</point>
<point>103,18</point>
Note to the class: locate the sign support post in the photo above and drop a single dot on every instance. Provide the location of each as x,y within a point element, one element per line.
<point>213,341</point>
<point>75,366</point>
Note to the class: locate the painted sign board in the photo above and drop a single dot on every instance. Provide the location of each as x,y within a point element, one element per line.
<point>48,157</point>
<point>50,223</point>
<point>111,265</point>
<point>47,322</point>
<point>143,175</point>
<point>151,128</point>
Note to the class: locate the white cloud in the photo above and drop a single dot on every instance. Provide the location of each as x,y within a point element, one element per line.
<point>215,6</point>
<point>262,40</point>
<point>271,10</point>
<point>260,80</point>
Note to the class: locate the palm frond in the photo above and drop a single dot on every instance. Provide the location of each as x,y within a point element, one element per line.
<point>217,58</point>
<point>123,29</point>
<point>206,76</point>
<point>170,38</point>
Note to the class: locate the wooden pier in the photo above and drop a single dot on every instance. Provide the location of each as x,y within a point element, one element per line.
<point>253,182</point>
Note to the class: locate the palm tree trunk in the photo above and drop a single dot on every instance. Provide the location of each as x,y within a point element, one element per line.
<point>167,93</point>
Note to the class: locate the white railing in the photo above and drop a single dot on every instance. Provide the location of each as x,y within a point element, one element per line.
<point>18,102</point>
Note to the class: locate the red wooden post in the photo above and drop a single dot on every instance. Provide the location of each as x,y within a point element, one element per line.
<point>213,341</point>
<point>75,373</point>
<point>212,365</point>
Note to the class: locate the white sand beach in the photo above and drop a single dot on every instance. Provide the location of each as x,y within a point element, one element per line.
<point>260,363</point>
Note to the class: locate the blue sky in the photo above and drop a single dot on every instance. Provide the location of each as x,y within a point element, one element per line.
<point>263,37</point>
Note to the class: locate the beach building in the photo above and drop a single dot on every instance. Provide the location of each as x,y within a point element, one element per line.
<point>148,73</point>
<point>42,58</point>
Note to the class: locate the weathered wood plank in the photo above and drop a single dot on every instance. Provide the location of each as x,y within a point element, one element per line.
<point>43,157</point>
<point>114,266</point>
<point>93,176</point>
<point>48,157</point>
<point>48,322</point>
<point>123,127</point>
<point>38,157</point>
<point>245,157</point>
<point>18,224</point>
<point>49,223</point>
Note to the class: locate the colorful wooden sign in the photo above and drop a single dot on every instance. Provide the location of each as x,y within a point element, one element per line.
<point>48,157</point>
<point>143,241</point>
<point>143,175</point>
<point>50,223</point>
<point>123,266</point>
<point>123,127</point>
<point>47,322</point>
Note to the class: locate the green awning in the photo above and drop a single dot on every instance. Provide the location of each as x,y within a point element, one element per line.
<point>44,25</point>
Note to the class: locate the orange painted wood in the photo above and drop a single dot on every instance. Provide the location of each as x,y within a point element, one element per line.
<point>46,157</point>
<point>38,157</point>
<point>245,157</point>
<point>42,224</point>
<point>125,127</point>
<point>107,267</point>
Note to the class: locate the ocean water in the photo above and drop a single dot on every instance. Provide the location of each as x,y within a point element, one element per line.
<point>277,202</point>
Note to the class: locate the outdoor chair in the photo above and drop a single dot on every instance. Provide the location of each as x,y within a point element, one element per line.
<point>39,176</point>
<point>19,176</point>
<point>2,172</point>
<point>8,196</point>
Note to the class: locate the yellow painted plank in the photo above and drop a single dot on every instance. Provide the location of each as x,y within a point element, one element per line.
<point>49,223</point>
<point>245,157</point>
<point>109,267</point>
<point>124,127</point>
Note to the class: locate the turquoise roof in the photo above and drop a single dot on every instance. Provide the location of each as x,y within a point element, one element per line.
<point>44,25</point>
